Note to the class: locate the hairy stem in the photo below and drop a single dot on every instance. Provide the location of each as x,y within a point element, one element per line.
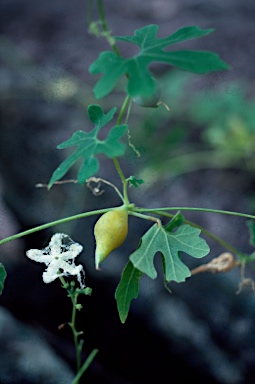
<point>78,344</point>
<point>76,334</point>
<point>105,28</point>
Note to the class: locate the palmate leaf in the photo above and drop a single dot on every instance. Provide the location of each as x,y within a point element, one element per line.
<point>88,146</point>
<point>152,49</point>
<point>2,277</point>
<point>157,239</point>
<point>170,244</point>
<point>128,287</point>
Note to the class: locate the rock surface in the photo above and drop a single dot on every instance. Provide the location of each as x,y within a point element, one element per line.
<point>26,357</point>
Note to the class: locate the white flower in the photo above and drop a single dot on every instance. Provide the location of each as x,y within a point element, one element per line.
<point>59,257</point>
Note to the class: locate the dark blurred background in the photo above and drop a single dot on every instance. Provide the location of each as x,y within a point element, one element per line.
<point>201,153</point>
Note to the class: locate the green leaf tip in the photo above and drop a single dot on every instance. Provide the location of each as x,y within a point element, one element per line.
<point>3,275</point>
<point>251,225</point>
<point>152,49</point>
<point>175,222</point>
<point>89,145</point>
<point>157,239</point>
<point>127,290</point>
<point>97,116</point>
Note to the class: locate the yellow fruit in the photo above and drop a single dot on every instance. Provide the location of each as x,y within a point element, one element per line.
<point>110,232</point>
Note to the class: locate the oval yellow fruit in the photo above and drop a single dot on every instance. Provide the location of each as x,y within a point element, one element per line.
<point>110,232</point>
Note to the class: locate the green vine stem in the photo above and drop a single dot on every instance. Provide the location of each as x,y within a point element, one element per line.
<point>158,211</point>
<point>53,223</point>
<point>123,179</point>
<point>246,215</point>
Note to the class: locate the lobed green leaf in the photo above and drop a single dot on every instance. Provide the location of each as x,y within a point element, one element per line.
<point>89,145</point>
<point>146,37</point>
<point>157,239</point>
<point>195,61</point>
<point>152,49</point>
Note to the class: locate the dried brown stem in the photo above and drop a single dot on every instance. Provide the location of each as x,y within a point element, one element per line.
<point>223,263</point>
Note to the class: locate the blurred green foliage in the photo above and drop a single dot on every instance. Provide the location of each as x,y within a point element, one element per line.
<point>205,128</point>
